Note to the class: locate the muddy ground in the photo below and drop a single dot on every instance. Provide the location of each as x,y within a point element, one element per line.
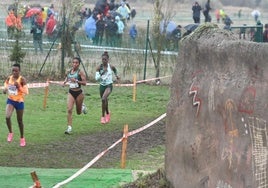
<point>77,150</point>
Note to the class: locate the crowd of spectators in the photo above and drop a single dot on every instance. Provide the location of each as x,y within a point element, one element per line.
<point>111,23</point>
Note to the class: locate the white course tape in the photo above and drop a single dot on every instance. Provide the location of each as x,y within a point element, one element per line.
<point>141,81</point>
<point>105,151</point>
<point>147,126</point>
<point>87,165</point>
<point>40,85</point>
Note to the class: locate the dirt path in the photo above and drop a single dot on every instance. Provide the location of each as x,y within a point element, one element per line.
<point>78,151</point>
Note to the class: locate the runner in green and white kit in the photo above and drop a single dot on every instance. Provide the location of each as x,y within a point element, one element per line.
<point>75,79</point>
<point>104,74</point>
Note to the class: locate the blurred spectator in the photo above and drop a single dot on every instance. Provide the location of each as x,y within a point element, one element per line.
<point>127,4</point>
<point>113,5</point>
<point>100,26</point>
<point>120,31</point>
<point>37,31</point>
<point>88,12</point>
<point>242,33</point>
<point>206,11</point>
<point>110,31</point>
<point>228,22</point>
<point>222,15</point>
<point>265,33</point>
<point>252,32</point>
<point>44,15</point>
<point>218,16</point>
<point>196,8</point>
<point>239,13</point>
<point>124,11</point>
<point>176,36</point>
<point>133,35</point>
<point>11,24</point>
<point>51,28</point>
<point>259,34</point>
<point>50,10</point>
<point>133,13</point>
<point>256,14</point>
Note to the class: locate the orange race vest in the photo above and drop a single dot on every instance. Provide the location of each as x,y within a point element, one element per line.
<point>14,93</point>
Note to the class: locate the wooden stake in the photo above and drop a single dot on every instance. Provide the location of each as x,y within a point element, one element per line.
<point>134,87</point>
<point>45,97</point>
<point>36,181</point>
<point>124,147</point>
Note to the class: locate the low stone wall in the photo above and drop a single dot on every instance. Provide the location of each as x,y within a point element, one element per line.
<point>216,128</point>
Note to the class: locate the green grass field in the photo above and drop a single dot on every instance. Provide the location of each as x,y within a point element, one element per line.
<point>45,127</point>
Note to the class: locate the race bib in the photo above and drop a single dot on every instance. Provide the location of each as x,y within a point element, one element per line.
<point>73,85</point>
<point>12,90</point>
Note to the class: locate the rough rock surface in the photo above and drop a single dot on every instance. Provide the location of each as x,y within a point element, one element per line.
<point>216,130</point>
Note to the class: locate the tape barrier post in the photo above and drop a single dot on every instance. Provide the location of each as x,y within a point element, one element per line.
<point>124,147</point>
<point>134,87</point>
<point>36,181</point>
<point>46,95</point>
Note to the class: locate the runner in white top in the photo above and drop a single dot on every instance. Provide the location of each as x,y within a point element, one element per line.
<point>104,74</point>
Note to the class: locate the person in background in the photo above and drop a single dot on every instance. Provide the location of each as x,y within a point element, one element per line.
<point>110,31</point>
<point>44,15</point>
<point>265,33</point>
<point>256,14</point>
<point>104,74</point>
<point>222,15</point>
<point>176,36</point>
<point>242,33</point>
<point>51,28</point>
<point>100,26</point>
<point>75,78</point>
<point>112,5</point>
<point>239,13</point>
<point>120,31</point>
<point>13,23</point>
<point>133,35</point>
<point>228,22</point>
<point>16,88</point>
<point>259,33</point>
<point>196,8</point>
<point>206,11</point>
<point>37,31</point>
<point>124,11</point>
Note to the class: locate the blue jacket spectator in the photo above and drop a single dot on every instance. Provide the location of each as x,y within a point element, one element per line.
<point>133,32</point>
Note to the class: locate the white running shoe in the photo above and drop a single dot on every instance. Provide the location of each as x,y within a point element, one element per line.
<point>84,109</point>
<point>68,130</point>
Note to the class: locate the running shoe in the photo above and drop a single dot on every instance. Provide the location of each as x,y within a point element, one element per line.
<point>102,120</point>
<point>108,117</point>
<point>22,142</point>
<point>9,137</point>
<point>84,109</point>
<point>68,130</point>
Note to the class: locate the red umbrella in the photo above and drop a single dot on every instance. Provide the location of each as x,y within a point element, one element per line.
<point>32,12</point>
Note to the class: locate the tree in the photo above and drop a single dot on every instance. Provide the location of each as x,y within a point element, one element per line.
<point>163,13</point>
<point>70,22</point>
<point>17,55</point>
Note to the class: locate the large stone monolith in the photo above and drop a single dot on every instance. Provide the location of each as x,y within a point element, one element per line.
<point>218,111</point>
